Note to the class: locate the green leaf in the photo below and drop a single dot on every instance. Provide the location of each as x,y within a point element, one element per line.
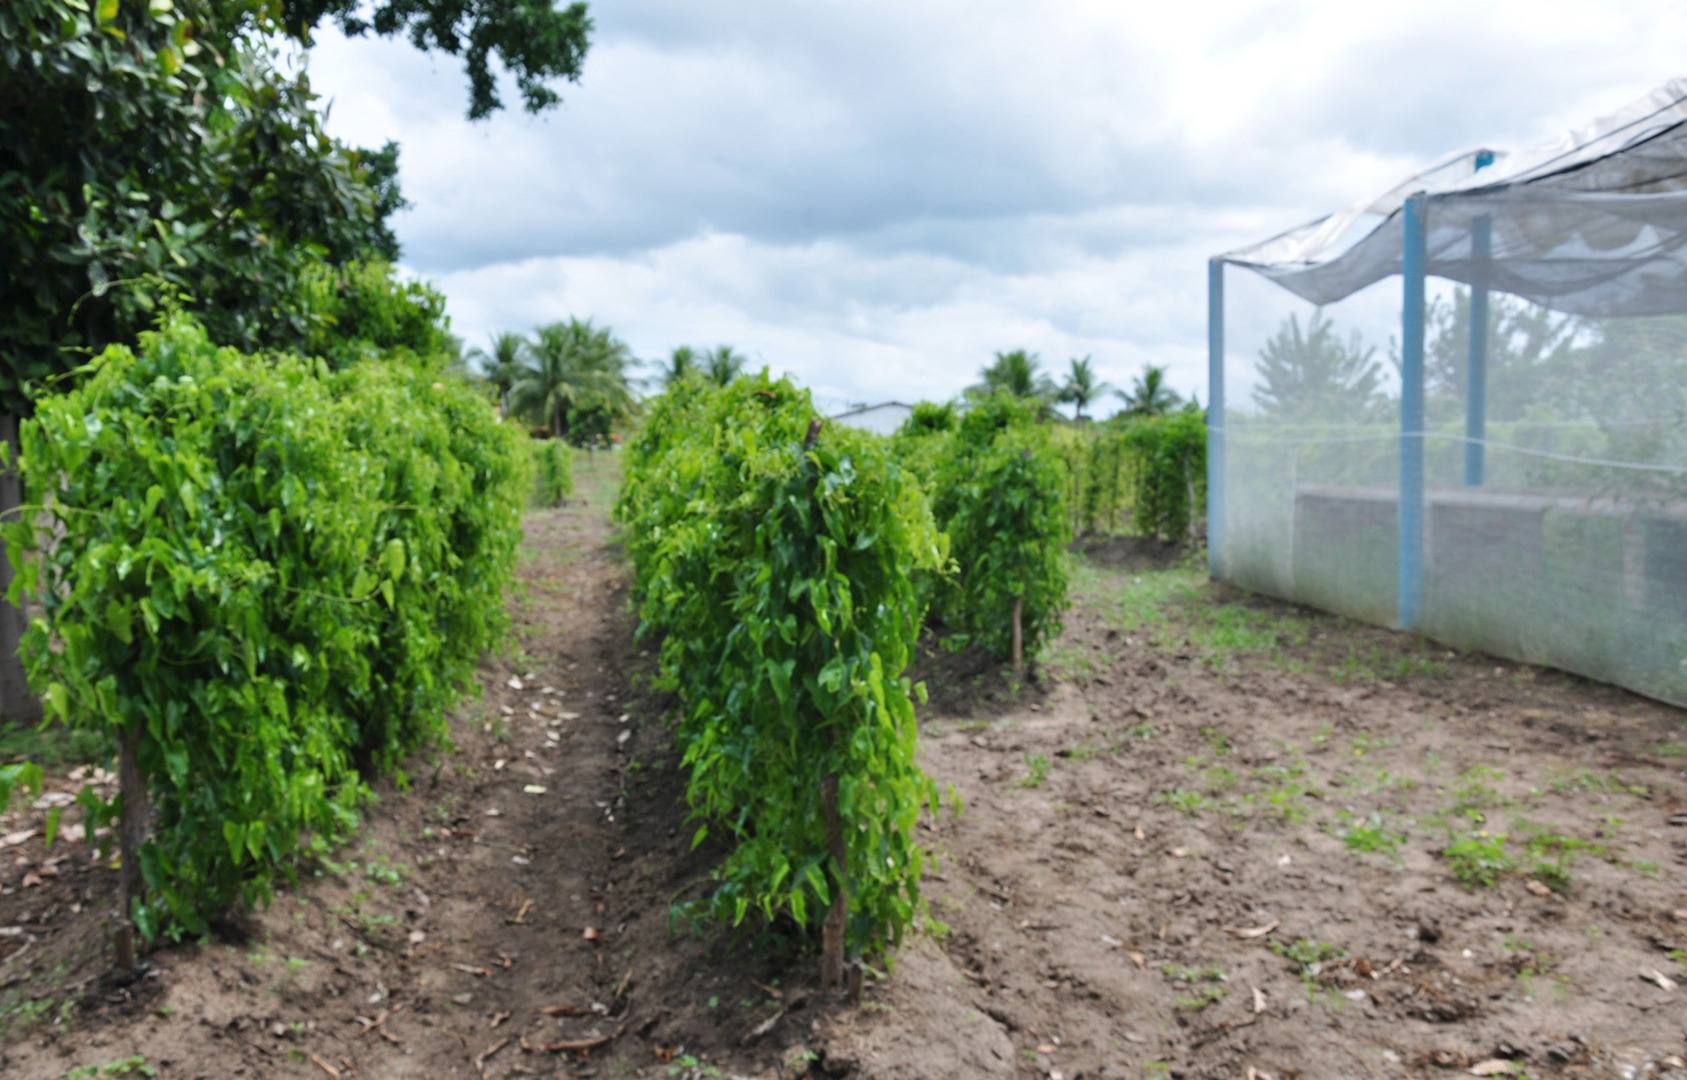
<point>51,830</point>
<point>106,10</point>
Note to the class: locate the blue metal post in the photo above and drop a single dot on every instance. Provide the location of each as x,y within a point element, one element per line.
<point>1476,371</point>
<point>1411,414</point>
<point>1215,414</point>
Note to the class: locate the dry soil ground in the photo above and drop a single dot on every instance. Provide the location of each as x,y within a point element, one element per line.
<point>1221,837</point>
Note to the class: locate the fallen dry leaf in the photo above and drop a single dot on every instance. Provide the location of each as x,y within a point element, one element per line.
<point>1493,1067</point>
<point>477,972</point>
<point>1537,888</point>
<point>1663,981</point>
<point>1140,835</point>
<point>1139,960</point>
<point>324,1066</point>
<point>590,933</point>
<point>1259,1000</point>
<point>521,916</point>
<point>1047,1048</point>
<point>514,683</point>
<point>417,937</point>
<point>1255,1074</point>
<point>534,789</point>
<point>13,839</point>
<point>498,1018</point>
<point>31,879</point>
<point>1252,931</point>
<point>1178,853</point>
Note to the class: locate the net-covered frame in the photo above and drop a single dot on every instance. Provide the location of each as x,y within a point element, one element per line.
<point>1591,225</point>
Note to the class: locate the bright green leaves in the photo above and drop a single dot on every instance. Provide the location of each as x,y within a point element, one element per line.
<point>24,777</point>
<point>778,578</point>
<point>206,571</point>
<point>998,489</point>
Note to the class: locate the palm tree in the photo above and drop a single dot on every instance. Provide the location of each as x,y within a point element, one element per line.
<point>723,365</point>
<point>1149,395</point>
<point>502,363</point>
<point>1082,387</point>
<point>569,365</point>
<point>683,362</point>
<point>1017,373</point>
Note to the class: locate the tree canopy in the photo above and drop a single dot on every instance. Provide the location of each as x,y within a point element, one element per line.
<point>1018,374</point>
<point>158,147</point>
<point>571,366</point>
<point>1312,373</point>
<point>1149,394</point>
<point>1081,387</point>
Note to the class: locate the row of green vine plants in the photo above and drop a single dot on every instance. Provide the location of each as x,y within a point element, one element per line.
<point>788,567</point>
<point>1145,475</point>
<point>264,581</point>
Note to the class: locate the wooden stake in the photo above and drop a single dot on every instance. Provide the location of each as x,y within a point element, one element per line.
<point>837,918</point>
<point>132,830</point>
<point>1018,639</point>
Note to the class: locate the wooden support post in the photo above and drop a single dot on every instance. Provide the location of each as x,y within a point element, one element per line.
<point>837,917</point>
<point>1019,639</point>
<point>132,830</point>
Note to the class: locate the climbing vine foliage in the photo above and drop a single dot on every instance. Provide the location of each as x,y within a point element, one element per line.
<point>998,490</point>
<point>772,558</point>
<point>271,578</point>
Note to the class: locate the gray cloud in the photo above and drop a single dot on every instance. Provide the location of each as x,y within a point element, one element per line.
<point>877,195</point>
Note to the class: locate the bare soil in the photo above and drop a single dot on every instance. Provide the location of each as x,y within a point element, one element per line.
<point>1147,874</point>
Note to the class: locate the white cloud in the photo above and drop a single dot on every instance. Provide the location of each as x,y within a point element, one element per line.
<point>876,195</point>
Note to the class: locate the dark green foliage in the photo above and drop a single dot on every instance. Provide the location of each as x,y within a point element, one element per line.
<point>929,418</point>
<point>590,424</point>
<point>379,171</point>
<point>273,572</point>
<point>777,576</point>
<point>532,39</point>
<point>361,310</point>
<point>1170,472</point>
<point>151,148</point>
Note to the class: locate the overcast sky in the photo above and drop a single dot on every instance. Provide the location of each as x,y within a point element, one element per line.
<point>876,195</point>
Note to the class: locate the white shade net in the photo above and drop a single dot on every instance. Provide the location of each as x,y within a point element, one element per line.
<point>1554,500</point>
<point>1592,224</point>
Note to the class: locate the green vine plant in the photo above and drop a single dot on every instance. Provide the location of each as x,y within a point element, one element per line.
<point>772,557</point>
<point>264,581</point>
<point>1000,494</point>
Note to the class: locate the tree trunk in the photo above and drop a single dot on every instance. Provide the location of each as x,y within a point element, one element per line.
<point>18,705</point>
<point>132,830</point>
<point>1018,639</point>
<point>837,918</point>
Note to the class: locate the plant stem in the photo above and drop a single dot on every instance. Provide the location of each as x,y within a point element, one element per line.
<point>132,831</point>
<point>1018,639</point>
<point>832,930</point>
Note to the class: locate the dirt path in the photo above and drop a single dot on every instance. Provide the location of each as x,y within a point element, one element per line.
<point>1142,841</point>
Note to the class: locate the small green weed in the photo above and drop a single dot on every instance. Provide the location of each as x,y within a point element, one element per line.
<point>1309,957</point>
<point>1369,834</point>
<point>129,1066</point>
<point>1201,983</point>
<point>1478,859</point>
<point>1186,801</point>
<point>1037,771</point>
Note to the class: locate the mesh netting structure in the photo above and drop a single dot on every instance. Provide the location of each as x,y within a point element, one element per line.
<point>1516,480</point>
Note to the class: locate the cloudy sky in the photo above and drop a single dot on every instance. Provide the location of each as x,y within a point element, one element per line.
<point>876,195</point>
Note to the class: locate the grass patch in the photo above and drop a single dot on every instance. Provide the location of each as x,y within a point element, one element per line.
<point>1369,835</point>
<point>51,746</point>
